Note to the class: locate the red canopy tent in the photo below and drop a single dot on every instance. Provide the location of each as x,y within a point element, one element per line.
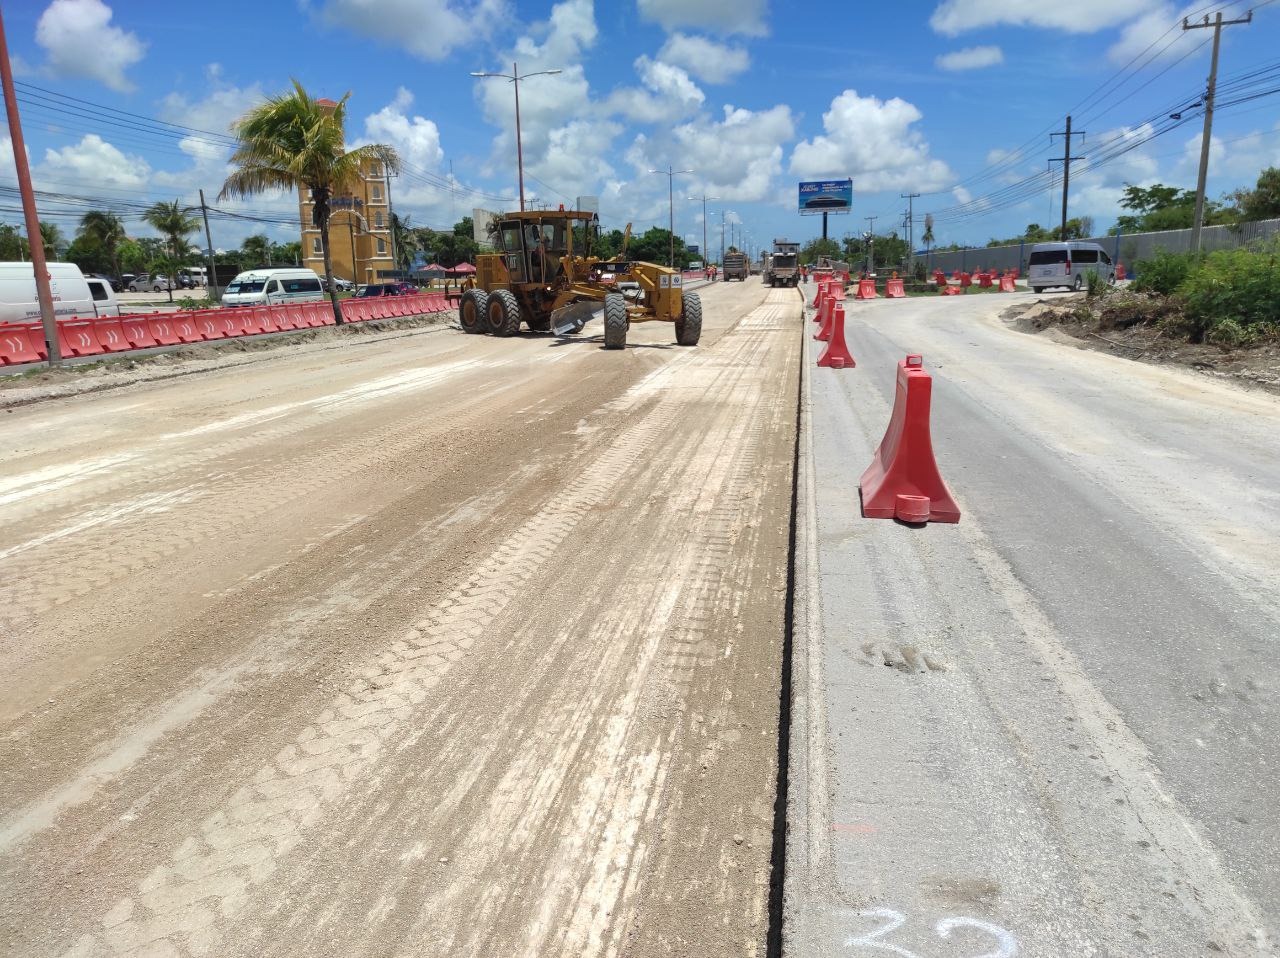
<point>463,268</point>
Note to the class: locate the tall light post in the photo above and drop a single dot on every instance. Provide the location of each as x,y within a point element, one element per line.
<point>705,253</point>
<point>671,175</point>
<point>515,77</point>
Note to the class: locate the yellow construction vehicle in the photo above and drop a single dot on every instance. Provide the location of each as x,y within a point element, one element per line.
<point>544,276</point>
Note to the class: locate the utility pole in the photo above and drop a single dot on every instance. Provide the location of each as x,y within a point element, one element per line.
<point>39,268</point>
<point>671,175</point>
<point>871,243</point>
<point>1217,24</point>
<point>911,231</point>
<point>211,285</point>
<point>1066,168</point>
<point>391,223</point>
<point>722,237</point>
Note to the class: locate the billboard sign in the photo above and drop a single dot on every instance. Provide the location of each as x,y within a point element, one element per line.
<point>826,196</point>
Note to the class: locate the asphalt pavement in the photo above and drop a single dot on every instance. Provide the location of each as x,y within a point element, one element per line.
<point>1049,730</point>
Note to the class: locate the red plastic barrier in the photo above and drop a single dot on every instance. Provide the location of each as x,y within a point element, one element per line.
<point>264,318</point>
<point>866,289</point>
<point>939,277</point>
<point>837,355</point>
<point>209,324</point>
<point>77,337</point>
<point>350,310</point>
<point>184,326</point>
<point>984,280</point>
<point>137,330</point>
<point>951,291</point>
<point>966,279</point>
<point>818,298</point>
<point>1006,283</point>
<point>111,334</point>
<point>1120,272</point>
<point>903,481</point>
<point>319,314</point>
<point>893,288</point>
<point>163,331</point>
<point>22,343</point>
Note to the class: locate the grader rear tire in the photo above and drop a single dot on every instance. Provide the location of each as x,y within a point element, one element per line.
<point>472,309</point>
<point>689,325</point>
<point>503,313</point>
<point>615,321</point>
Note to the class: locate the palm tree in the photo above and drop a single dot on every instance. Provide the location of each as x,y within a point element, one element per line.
<point>51,239</point>
<point>256,250</point>
<point>294,142</point>
<point>175,224</point>
<point>107,231</point>
<point>928,236</point>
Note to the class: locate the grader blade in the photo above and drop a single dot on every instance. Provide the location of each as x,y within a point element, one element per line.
<point>571,318</point>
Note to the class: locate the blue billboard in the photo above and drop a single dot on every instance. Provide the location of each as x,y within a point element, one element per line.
<point>826,196</point>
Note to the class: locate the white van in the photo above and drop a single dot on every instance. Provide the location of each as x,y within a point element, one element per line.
<point>266,287</point>
<point>73,294</point>
<point>1065,264</point>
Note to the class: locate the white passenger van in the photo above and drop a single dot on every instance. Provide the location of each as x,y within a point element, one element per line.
<point>1066,264</point>
<point>73,294</point>
<point>268,287</point>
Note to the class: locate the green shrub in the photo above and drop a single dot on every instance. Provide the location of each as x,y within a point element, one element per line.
<point>1164,272</point>
<point>1095,283</point>
<point>187,302</point>
<point>1233,296</point>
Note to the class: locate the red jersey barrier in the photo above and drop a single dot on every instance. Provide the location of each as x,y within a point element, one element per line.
<point>837,355</point>
<point>162,331</point>
<point>1006,283</point>
<point>903,481</point>
<point>77,337</point>
<point>111,334</point>
<point>951,291</point>
<point>184,326</point>
<point>966,279</point>
<point>1120,272</point>
<point>138,332</point>
<point>210,326</point>
<point>893,288</point>
<point>22,343</point>
<point>866,289</point>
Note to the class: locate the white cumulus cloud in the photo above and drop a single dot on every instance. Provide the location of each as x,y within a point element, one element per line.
<point>79,41</point>
<point>94,162</point>
<point>970,58</point>
<point>953,17</point>
<point>873,141</point>
<point>1157,35</point>
<point>720,16</point>
<point>705,59</point>
<point>416,138</point>
<point>430,29</point>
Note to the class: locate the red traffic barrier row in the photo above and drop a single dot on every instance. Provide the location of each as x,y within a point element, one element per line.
<point>24,342</point>
<point>903,481</point>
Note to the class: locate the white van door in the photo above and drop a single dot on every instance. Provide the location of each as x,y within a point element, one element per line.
<point>104,300</point>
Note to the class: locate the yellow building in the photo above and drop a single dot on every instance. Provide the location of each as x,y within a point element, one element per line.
<point>359,228</point>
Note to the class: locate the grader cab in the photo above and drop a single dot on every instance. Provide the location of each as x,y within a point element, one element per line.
<point>544,275</point>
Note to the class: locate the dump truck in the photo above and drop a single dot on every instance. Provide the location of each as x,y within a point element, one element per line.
<point>784,264</point>
<point>543,275</point>
<point>736,266</point>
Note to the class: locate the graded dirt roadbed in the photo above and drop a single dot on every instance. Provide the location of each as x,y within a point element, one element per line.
<point>1049,730</point>
<point>449,645</point>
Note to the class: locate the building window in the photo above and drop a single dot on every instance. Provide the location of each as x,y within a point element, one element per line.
<point>377,192</point>
<point>315,245</point>
<point>377,219</point>
<point>382,246</point>
<point>375,169</point>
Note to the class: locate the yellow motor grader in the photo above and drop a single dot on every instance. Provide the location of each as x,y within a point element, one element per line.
<point>543,275</point>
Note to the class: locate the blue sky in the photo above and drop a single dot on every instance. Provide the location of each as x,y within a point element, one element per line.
<point>953,99</point>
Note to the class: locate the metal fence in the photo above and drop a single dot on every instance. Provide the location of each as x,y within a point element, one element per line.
<point>1125,248</point>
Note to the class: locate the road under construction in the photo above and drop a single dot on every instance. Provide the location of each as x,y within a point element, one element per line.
<point>421,643</point>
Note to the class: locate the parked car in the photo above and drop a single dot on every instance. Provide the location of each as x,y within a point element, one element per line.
<point>345,285</point>
<point>113,283</point>
<point>1066,264</point>
<point>386,289</point>
<point>145,281</point>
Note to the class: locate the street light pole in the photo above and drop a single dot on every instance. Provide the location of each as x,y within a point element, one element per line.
<point>515,77</point>
<point>704,198</point>
<point>671,211</point>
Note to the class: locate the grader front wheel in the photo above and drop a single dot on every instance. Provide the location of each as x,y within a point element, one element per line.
<point>615,321</point>
<point>689,325</point>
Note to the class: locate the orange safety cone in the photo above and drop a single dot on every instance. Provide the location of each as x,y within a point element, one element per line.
<point>903,481</point>
<point>837,355</point>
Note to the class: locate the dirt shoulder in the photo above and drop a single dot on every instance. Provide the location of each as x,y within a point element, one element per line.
<point>1132,326</point>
